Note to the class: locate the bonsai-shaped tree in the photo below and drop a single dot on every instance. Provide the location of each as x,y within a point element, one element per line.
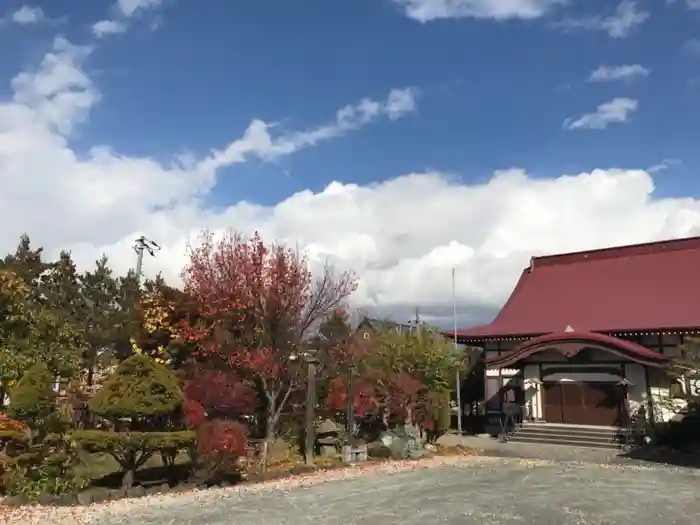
<point>45,460</point>
<point>33,399</point>
<point>141,402</point>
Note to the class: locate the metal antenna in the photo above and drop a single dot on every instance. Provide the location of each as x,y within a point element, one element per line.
<point>142,244</point>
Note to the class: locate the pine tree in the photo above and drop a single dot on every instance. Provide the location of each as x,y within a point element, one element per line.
<point>102,316</point>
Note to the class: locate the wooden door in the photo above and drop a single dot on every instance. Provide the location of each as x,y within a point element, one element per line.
<point>552,402</point>
<point>603,403</point>
<point>573,406</point>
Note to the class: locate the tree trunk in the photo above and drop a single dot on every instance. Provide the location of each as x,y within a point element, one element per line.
<point>128,479</point>
<point>270,431</point>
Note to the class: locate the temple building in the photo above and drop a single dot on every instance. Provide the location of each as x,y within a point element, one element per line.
<point>586,338</point>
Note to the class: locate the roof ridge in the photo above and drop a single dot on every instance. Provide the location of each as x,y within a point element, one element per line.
<point>613,252</point>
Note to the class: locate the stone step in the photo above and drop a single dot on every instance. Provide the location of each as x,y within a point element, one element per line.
<point>517,438</point>
<point>568,436</point>
<point>556,432</point>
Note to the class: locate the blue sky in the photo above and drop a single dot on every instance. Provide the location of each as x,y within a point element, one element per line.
<point>494,89</point>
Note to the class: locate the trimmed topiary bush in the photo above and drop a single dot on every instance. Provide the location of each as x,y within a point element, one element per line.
<point>142,401</point>
<point>140,387</point>
<point>43,459</point>
<point>33,398</point>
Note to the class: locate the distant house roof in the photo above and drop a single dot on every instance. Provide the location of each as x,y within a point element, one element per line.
<point>377,324</point>
<point>634,288</point>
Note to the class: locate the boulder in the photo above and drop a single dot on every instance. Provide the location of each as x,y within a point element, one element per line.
<point>136,492</point>
<point>17,500</point>
<point>67,500</point>
<point>84,498</point>
<point>378,450</point>
<point>399,448</point>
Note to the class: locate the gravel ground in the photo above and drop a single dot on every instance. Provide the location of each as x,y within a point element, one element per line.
<point>485,491</point>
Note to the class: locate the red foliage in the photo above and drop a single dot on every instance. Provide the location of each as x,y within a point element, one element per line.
<point>365,397</point>
<point>240,285</point>
<point>254,303</point>
<point>221,437</point>
<point>194,413</point>
<point>11,425</point>
<point>220,445</point>
<point>222,394</point>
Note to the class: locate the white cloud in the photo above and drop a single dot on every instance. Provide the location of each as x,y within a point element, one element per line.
<point>690,4</point>
<point>429,10</point>
<point>664,165</point>
<point>122,11</point>
<point>616,111</point>
<point>402,236</point>
<point>619,24</point>
<point>617,73</point>
<point>107,27</point>
<point>27,15</point>
<point>130,7</point>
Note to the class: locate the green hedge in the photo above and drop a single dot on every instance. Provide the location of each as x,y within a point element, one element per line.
<point>107,442</point>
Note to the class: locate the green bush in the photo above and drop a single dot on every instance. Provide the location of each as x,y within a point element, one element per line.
<point>444,413</point>
<point>33,399</point>
<point>107,442</point>
<point>140,387</point>
<point>143,401</point>
<point>40,458</point>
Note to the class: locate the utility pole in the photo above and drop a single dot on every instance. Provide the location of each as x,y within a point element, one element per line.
<point>311,360</point>
<point>350,407</point>
<point>458,379</point>
<point>142,244</point>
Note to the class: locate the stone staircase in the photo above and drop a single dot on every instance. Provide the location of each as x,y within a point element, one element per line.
<point>570,435</point>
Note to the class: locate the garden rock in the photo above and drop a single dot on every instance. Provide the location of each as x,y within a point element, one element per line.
<point>136,492</point>
<point>399,448</point>
<point>100,495</point>
<point>378,450</point>
<point>46,499</point>
<point>415,453</point>
<point>67,500</point>
<point>85,498</point>
<point>117,494</point>
<point>18,500</point>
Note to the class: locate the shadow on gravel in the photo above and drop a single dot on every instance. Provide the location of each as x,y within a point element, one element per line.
<point>664,456</point>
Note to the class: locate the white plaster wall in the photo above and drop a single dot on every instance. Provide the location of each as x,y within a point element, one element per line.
<point>533,392</point>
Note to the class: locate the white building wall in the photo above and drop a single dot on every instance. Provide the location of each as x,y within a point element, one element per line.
<point>533,390</point>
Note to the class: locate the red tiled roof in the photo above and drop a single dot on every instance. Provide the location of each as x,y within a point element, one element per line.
<point>633,288</point>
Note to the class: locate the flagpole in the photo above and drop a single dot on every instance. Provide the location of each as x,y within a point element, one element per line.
<point>454,335</point>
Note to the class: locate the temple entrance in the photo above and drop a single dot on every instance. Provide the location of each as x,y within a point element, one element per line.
<point>583,403</point>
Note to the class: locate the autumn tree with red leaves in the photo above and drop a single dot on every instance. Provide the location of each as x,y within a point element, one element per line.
<point>222,395</point>
<point>401,376</point>
<point>257,304</point>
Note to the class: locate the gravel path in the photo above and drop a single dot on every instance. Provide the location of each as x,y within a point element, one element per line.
<point>485,491</point>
